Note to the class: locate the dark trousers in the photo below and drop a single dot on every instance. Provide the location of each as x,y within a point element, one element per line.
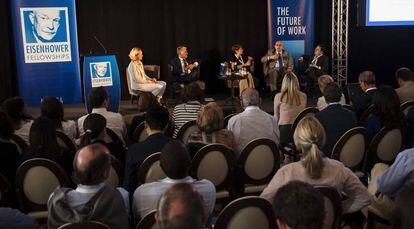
<point>285,134</point>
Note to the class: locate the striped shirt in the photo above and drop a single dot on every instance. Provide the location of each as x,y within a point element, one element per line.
<point>184,113</point>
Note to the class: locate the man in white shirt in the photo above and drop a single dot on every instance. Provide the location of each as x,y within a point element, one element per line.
<point>252,123</point>
<point>175,161</point>
<point>98,98</point>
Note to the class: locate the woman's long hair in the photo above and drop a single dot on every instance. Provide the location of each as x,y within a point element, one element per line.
<point>290,90</point>
<point>93,126</point>
<point>387,107</point>
<point>52,109</point>
<point>43,141</point>
<point>310,136</point>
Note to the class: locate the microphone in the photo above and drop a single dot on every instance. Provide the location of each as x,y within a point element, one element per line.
<point>100,43</point>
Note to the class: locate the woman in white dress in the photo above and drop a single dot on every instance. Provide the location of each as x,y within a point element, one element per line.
<point>139,80</point>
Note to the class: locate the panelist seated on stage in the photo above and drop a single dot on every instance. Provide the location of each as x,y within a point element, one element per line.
<point>318,66</point>
<point>184,69</point>
<point>237,59</point>
<point>139,80</point>
<point>276,63</point>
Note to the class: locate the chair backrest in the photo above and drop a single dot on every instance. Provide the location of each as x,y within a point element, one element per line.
<point>128,78</point>
<point>85,225</point>
<point>258,161</point>
<point>405,107</point>
<point>214,162</point>
<point>186,130</point>
<point>22,146</point>
<point>333,207</point>
<point>148,221</point>
<point>366,114</point>
<point>307,112</point>
<point>150,170</point>
<point>65,142</point>
<point>246,213</point>
<point>139,133</point>
<point>6,191</point>
<point>111,136</point>
<point>227,118</point>
<point>351,148</point>
<point>116,174</point>
<point>152,70</point>
<point>385,146</point>
<point>36,179</point>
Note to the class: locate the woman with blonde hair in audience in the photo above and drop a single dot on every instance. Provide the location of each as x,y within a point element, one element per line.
<point>287,105</point>
<point>323,81</point>
<point>210,122</point>
<point>317,170</point>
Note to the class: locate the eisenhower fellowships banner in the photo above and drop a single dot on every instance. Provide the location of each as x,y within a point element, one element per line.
<point>46,47</point>
<point>292,22</point>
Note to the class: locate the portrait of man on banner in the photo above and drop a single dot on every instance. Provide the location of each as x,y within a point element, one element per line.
<point>101,74</point>
<point>45,25</point>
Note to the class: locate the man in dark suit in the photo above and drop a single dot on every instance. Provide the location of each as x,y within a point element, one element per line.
<point>156,119</point>
<point>184,70</point>
<point>276,63</point>
<point>335,119</point>
<point>363,101</point>
<point>318,66</point>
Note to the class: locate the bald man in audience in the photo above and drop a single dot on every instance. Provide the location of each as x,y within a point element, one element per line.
<point>92,200</point>
<point>252,123</point>
<point>181,207</point>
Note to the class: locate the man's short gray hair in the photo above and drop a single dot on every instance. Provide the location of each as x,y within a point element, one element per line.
<point>179,48</point>
<point>250,97</point>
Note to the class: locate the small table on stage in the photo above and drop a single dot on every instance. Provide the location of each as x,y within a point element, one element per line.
<point>231,78</point>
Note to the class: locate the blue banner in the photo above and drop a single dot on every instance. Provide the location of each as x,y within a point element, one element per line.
<point>292,22</point>
<point>102,71</point>
<point>46,45</point>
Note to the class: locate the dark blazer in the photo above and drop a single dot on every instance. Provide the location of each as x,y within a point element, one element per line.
<point>9,158</point>
<point>363,101</point>
<point>323,62</point>
<point>137,153</point>
<point>177,69</point>
<point>336,120</point>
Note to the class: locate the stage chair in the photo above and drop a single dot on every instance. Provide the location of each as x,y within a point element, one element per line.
<point>152,71</point>
<point>257,164</point>
<point>36,179</point>
<point>150,170</point>
<point>186,130</point>
<point>405,107</point>
<point>85,225</point>
<point>148,221</point>
<point>246,213</point>
<point>215,162</point>
<point>116,174</point>
<point>134,95</point>
<point>6,191</point>
<point>22,146</point>
<point>333,207</point>
<point>139,133</point>
<point>351,150</point>
<point>65,142</point>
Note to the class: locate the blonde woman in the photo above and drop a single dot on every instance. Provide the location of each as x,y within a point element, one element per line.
<point>139,80</point>
<point>313,168</point>
<point>322,82</point>
<point>287,105</point>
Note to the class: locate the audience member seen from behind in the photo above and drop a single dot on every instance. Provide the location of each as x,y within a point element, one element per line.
<point>95,132</point>
<point>181,207</point>
<point>99,101</point>
<point>92,200</point>
<point>323,81</point>
<point>192,97</point>
<point>175,162</point>
<point>405,79</point>
<point>52,108</point>
<point>43,144</point>
<point>252,123</point>
<point>386,113</point>
<point>16,109</point>
<point>335,119</point>
<point>298,205</point>
<point>156,122</point>
<point>313,168</point>
<point>363,101</point>
<point>404,205</point>
<point>9,155</point>
<point>145,101</point>
<point>287,105</point>
<point>210,122</point>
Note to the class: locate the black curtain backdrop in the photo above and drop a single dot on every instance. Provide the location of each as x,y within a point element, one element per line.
<point>208,29</point>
